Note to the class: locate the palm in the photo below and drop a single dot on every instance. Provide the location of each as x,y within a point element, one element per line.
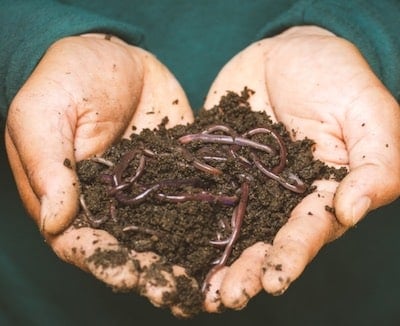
<point>91,92</point>
<point>320,87</point>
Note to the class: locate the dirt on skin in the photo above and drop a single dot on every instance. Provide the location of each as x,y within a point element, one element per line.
<point>169,195</point>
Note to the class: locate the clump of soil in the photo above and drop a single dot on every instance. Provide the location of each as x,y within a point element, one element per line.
<point>172,194</point>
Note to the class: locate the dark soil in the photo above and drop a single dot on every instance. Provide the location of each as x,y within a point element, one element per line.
<point>181,231</point>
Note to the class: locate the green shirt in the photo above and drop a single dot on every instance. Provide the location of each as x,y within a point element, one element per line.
<point>194,39</point>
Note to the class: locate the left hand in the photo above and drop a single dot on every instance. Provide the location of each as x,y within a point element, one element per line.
<point>320,86</point>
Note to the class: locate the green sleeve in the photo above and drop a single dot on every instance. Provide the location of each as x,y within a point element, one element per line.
<point>28,28</point>
<point>373,26</point>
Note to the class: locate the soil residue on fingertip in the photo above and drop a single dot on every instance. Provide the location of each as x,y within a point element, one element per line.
<point>176,192</point>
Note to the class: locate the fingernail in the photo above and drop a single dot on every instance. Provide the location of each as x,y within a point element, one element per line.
<point>46,216</point>
<point>43,214</point>
<point>50,221</point>
<point>360,209</point>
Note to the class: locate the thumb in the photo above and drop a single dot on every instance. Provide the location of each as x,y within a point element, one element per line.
<point>372,136</point>
<point>39,143</point>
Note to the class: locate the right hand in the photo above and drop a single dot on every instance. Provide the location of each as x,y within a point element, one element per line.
<point>319,86</point>
<point>85,94</point>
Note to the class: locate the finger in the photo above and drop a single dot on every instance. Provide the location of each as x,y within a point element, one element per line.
<point>242,281</point>
<point>99,253</point>
<point>161,97</point>
<point>45,154</point>
<point>372,135</point>
<point>189,297</point>
<point>246,69</point>
<point>165,285</point>
<point>310,226</point>
<point>212,300</point>
<point>156,281</point>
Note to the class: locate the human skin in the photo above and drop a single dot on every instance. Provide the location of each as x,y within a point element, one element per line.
<point>80,95</point>
<point>320,87</point>
<point>86,93</point>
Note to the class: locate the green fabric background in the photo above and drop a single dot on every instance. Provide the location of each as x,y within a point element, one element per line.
<point>353,281</point>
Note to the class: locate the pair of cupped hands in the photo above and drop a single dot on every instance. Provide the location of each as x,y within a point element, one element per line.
<point>88,91</point>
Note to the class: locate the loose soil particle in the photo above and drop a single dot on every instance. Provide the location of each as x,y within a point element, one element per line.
<point>181,232</point>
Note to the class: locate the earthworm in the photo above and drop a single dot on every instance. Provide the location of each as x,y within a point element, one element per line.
<point>225,139</point>
<point>228,130</point>
<point>103,161</point>
<point>125,199</point>
<point>197,163</point>
<point>297,186</point>
<point>202,196</point>
<point>282,148</point>
<point>94,222</point>
<point>142,230</point>
<point>123,164</point>
<point>237,218</point>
